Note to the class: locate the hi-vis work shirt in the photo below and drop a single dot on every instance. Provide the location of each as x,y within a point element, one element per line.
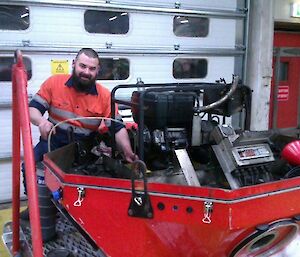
<point>58,96</point>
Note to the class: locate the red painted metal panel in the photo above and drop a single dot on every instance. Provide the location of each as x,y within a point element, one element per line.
<point>285,39</point>
<point>178,227</point>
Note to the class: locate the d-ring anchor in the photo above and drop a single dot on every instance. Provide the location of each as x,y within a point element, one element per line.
<point>208,208</point>
<point>81,195</point>
<point>140,204</point>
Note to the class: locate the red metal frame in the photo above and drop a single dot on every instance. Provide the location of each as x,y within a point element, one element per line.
<point>20,106</point>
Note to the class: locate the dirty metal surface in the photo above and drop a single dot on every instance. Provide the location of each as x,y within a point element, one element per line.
<point>67,238</point>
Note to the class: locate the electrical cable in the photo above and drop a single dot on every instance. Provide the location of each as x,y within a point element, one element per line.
<point>293,172</point>
<point>74,119</point>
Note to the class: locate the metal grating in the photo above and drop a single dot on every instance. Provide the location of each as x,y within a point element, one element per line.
<point>67,238</point>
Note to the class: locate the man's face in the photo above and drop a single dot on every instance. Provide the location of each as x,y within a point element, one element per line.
<point>85,70</point>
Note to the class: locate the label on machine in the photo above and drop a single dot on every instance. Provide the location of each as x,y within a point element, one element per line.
<point>252,154</point>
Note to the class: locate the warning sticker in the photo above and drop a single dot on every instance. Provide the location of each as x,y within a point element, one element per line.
<point>283,93</point>
<point>59,67</point>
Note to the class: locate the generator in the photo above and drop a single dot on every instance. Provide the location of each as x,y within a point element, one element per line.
<point>197,185</point>
<point>200,187</point>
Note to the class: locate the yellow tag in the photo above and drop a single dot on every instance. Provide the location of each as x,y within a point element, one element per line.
<point>59,67</point>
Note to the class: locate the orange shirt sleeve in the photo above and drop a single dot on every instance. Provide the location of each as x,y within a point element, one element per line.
<point>46,88</point>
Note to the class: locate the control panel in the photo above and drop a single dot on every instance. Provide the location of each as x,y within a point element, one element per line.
<point>252,154</point>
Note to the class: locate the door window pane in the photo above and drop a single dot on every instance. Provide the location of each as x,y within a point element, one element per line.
<point>184,26</point>
<point>113,69</point>
<point>6,65</point>
<point>284,69</point>
<point>106,22</point>
<point>14,17</point>
<point>189,68</point>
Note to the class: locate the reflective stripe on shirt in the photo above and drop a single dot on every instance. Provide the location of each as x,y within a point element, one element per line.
<point>41,100</point>
<point>76,129</point>
<point>71,115</point>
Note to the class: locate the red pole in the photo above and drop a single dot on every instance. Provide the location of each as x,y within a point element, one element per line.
<point>16,160</point>
<point>31,179</point>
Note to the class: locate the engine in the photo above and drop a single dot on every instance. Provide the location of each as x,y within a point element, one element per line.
<point>183,138</point>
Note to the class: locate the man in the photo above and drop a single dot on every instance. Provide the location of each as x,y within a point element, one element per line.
<point>75,96</point>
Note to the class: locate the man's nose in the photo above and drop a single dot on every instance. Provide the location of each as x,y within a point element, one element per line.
<point>86,71</point>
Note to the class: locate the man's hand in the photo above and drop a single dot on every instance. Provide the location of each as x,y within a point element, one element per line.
<point>45,126</point>
<point>123,144</point>
<point>130,157</point>
<point>37,119</point>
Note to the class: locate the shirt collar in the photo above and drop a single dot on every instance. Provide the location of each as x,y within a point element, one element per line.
<point>92,91</point>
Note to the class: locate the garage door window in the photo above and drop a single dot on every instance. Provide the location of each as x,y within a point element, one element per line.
<point>184,68</point>
<point>113,69</point>
<point>105,22</point>
<point>185,26</point>
<point>6,65</point>
<point>14,17</point>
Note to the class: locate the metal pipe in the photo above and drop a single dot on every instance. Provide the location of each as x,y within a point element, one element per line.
<point>234,85</point>
<point>31,179</point>
<point>134,7</point>
<point>246,44</point>
<point>8,104</point>
<point>16,160</point>
<point>124,49</point>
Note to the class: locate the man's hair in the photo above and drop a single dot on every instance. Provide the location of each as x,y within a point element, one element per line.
<point>88,52</point>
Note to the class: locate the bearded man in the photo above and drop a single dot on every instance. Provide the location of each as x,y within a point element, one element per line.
<point>75,96</point>
<point>71,98</point>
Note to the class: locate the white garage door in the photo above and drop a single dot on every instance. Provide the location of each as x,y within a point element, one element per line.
<point>154,42</point>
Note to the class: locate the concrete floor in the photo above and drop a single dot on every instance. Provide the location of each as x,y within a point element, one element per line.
<point>5,216</point>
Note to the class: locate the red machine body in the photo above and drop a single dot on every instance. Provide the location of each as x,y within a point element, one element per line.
<point>182,225</point>
<point>211,192</point>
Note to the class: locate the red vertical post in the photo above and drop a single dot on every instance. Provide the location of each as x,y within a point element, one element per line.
<point>20,84</point>
<point>16,160</point>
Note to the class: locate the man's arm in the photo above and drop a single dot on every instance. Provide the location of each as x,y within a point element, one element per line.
<point>123,144</point>
<point>37,119</point>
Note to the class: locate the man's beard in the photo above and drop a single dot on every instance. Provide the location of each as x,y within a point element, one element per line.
<point>80,85</point>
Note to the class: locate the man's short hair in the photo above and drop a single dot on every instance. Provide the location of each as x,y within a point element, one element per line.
<point>88,52</point>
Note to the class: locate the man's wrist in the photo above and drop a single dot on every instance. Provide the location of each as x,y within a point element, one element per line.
<point>40,122</point>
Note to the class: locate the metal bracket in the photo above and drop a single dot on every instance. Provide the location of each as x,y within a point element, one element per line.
<point>140,204</point>
<point>176,46</point>
<point>187,167</point>
<point>26,42</point>
<point>177,5</point>
<point>108,45</point>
